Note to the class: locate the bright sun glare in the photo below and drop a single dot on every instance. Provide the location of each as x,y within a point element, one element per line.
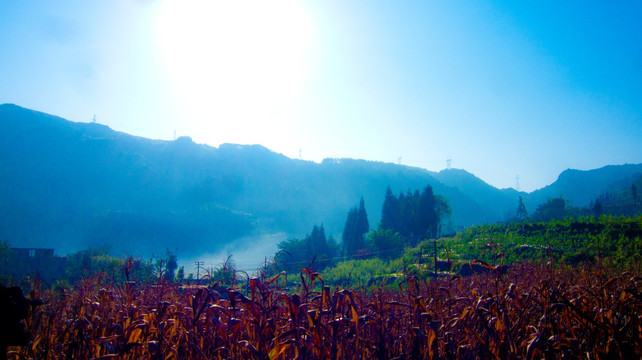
<point>238,65</point>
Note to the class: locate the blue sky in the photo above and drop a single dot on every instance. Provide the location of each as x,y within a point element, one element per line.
<point>501,88</point>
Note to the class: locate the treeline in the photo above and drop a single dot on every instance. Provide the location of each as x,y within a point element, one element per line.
<point>20,267</point>
<point>406,219</point>
<point>414,216</point>
<point>625,202</point>
<point>314,250</point>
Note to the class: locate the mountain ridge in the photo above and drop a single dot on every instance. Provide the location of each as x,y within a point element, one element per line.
<point>84,184</point>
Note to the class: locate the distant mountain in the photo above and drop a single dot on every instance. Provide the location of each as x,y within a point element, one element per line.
<point>581,187</point>
<point>72,185</point>
<point>499,204</point>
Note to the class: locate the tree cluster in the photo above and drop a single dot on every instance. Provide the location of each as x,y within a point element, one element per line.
<point>415,216</point>
<point>521,213</point>
<point>552,209</point>
<point>354,230</point>
<point>624,202</point>
<point>405,220</point>
<point>314,249</point>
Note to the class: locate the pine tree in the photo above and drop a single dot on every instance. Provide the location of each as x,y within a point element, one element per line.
<point>598,210</point>
<point>295,254</point>
<point>390,211</point>
<point>442,210</point>
<point>427,214</point>
<point>413,215</point>
<point>406,214</point>
<point>170,266</point>
<point>521,210</point>
<point>355,228</point>
<point>180,274</point>
<point>349,232</point>
<point>317,243</point>
<point>363,226</point>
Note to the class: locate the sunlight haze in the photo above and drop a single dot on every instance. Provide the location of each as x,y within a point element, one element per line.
<point>501,88</point>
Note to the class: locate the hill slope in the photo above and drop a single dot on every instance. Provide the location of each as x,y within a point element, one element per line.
<point>582,187</point>
<point>71,185</point>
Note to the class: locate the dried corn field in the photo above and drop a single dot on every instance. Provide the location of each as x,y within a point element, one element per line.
<point>533,312</point>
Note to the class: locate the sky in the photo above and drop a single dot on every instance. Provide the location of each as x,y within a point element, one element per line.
<point>501,88</point>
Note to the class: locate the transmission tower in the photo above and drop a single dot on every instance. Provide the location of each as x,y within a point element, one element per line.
<point>399,160</point>
<point>517,182</point>
<point>449,163</point>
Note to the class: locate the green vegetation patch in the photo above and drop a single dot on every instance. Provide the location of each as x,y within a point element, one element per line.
<point>617,240</point>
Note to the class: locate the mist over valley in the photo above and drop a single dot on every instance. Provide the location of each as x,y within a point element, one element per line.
<point>71,186</point>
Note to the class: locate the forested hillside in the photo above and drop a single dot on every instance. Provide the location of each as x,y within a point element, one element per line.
<point>74,185</point>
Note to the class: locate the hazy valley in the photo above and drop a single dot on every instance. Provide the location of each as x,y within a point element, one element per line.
<point>70,186</point>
